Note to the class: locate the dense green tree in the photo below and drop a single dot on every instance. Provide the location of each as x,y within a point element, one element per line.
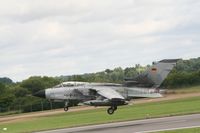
<point>37,83</point>
<point>2,88</point>
<point>108,71</point>
<point>20,91</point>
<point>33,84</point>
<point>6,80</point>
<point>6,96</point>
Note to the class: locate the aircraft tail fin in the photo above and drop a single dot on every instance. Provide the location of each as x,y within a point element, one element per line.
<point>155,75</point>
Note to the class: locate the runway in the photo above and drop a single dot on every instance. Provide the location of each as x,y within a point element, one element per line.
<point>138,126</point>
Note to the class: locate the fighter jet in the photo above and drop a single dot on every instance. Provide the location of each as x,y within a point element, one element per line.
<point>113,95</point>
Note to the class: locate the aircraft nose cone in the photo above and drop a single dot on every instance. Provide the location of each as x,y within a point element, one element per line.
<point>40,93</point>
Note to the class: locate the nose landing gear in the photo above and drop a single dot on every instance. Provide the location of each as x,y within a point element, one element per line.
<point>66,107</point>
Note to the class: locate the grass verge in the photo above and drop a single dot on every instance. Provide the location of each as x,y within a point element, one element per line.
<point>10,113</point>
<point>97,116</point>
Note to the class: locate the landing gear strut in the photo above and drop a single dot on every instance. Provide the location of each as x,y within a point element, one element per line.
<point>111,110</point>
<point>66,107</point>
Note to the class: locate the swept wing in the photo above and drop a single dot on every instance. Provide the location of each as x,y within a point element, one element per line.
<point>108,93</point>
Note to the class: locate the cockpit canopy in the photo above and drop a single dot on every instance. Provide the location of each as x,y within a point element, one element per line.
<point>76,83</point>
<point>71,84</point>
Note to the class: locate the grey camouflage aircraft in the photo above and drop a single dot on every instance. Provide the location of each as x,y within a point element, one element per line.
<point>109,94</point>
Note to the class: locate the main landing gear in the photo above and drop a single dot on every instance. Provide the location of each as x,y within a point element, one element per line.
<point>111,110</point>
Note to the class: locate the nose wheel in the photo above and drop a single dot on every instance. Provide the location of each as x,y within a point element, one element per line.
<point>111,110</point>
<point>66,107</point>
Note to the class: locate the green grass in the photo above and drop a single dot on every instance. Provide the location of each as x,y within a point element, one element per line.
<point>190,130</point>
<point>139,111</point>
<point>10,113</point>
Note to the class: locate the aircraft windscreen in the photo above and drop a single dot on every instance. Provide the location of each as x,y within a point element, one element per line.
<point>70,84</point>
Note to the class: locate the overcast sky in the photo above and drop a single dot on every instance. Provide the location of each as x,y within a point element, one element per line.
<point>64,37</point>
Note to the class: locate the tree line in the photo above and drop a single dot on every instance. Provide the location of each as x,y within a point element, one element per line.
<point>186,73</point>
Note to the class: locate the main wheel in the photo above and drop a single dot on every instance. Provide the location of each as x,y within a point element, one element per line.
<point>110,111</point>
<point>66,108</point>
<point>114,107</point>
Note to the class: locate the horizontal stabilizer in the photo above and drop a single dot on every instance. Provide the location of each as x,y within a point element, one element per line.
<point>142,92</point>
<point>150,95</point>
